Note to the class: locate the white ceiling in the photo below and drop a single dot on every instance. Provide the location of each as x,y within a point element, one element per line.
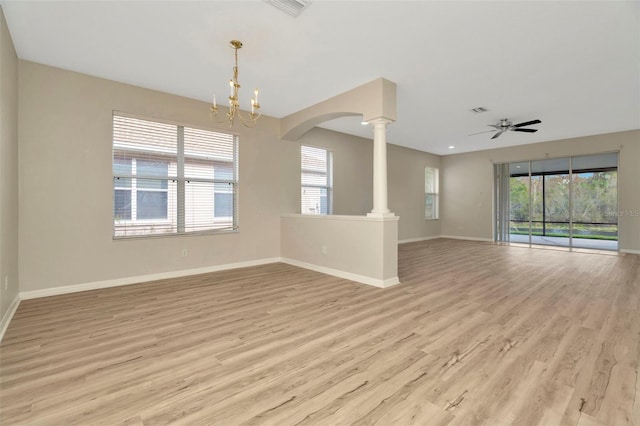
<point>575,65</point>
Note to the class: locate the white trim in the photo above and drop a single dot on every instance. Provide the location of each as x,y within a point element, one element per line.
<point>343,274</point>
<point>6,319</point>
<point>629,251</point>
<point>413,240</point>
<point>373,218</point>
<point>141,278</point>
<point>458,237</point>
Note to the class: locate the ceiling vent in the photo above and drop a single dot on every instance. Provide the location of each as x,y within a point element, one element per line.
<point>479,110</point>
<point>292,7</point>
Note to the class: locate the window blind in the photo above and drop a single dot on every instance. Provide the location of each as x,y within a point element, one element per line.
<point>171,179</point>
<point>431,190</point>
<point>315,180</point>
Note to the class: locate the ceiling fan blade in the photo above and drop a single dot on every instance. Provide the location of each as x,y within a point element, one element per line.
<point>526,130</point>
<point>527,123</point>
<point>497,134</point>
<point>495,126</point>
<point>486,131</point>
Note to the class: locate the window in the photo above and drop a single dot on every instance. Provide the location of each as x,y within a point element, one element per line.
<point>170,179</point>
<point>431,190</point>
<point>315,180</point>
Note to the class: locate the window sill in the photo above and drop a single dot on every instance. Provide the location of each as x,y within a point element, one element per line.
<point>174,234</point>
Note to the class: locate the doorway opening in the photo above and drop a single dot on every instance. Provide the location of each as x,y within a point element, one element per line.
<point>568,202</point>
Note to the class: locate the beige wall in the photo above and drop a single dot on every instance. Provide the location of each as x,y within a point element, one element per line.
<point>8,169</point>
<point>405,169</point>
<point>360,248</point>
<point>66,182</point>
<point>467,190</point>
<point>352,170</point>
<point>353,174</point>
<point>65,198</point>
<point>372,100</point>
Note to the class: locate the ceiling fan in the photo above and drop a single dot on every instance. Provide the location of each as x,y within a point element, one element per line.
<point>506,125</point>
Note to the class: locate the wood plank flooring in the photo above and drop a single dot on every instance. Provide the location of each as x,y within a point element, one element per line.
<point>476,334</point>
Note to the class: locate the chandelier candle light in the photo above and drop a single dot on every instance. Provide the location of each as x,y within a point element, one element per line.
<point>234,105</point>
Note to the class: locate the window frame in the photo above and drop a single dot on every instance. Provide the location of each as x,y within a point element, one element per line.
<point>177,178</point>
<point>329,179</point>
<point>433,192</point>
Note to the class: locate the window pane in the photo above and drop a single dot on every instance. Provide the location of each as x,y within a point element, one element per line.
<point>223,204</point>
<point>143,136</point>
<point>314,179</point>
<point>207,145</point>
<point>206,151</point>
<point>595,203</point>
<point>122,205</point>
<point>150,168</point>
<point>313,159</point>
<point>314,200</point>
<point>431,193</point>
<point>429,180</point>
<point>556,195</point>
<point>519,203</point>
<point>151,205</point>
<point>597,161</point>
<point>595,196</point>
<point>122,166</point>
<point>198,209</point>
<point>537,200</point>
<point>209,205</point>
<point>198,169</point>
<point>430,201</point>
<point>119,182</point>
<point>223,171</point>
<point>519,169</point>
<point>151,183</point>
<point>550,166</point>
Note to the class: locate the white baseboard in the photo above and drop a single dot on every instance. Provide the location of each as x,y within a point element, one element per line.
<point>343,274</point>
<point>458,237</point>
<point>141,278</point>
<point>6,319</point>
<point>414,240</point>
<point>629,251</point>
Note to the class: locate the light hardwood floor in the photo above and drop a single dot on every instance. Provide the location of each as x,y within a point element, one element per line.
<point>476,334</point>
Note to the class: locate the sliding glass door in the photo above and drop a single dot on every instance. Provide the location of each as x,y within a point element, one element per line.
<point>594,207</point>
<point>566,201</point>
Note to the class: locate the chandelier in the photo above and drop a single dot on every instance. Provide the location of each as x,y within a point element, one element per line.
<point>234,104</point>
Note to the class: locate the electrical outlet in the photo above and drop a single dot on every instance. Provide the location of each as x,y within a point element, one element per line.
<point>323,250</point>
<point>6,282</point>
<point>185,253</point>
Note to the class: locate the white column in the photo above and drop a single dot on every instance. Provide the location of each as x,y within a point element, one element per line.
<point>380,168</point>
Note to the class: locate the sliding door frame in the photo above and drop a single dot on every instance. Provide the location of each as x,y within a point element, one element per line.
<point>502,206</point>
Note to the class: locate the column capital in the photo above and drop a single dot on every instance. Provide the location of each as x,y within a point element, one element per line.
<point>379,120</point>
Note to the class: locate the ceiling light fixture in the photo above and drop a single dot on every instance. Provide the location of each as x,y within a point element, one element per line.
<point>451,146</point>
<point>234,104</point>
<point>479,110</point>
